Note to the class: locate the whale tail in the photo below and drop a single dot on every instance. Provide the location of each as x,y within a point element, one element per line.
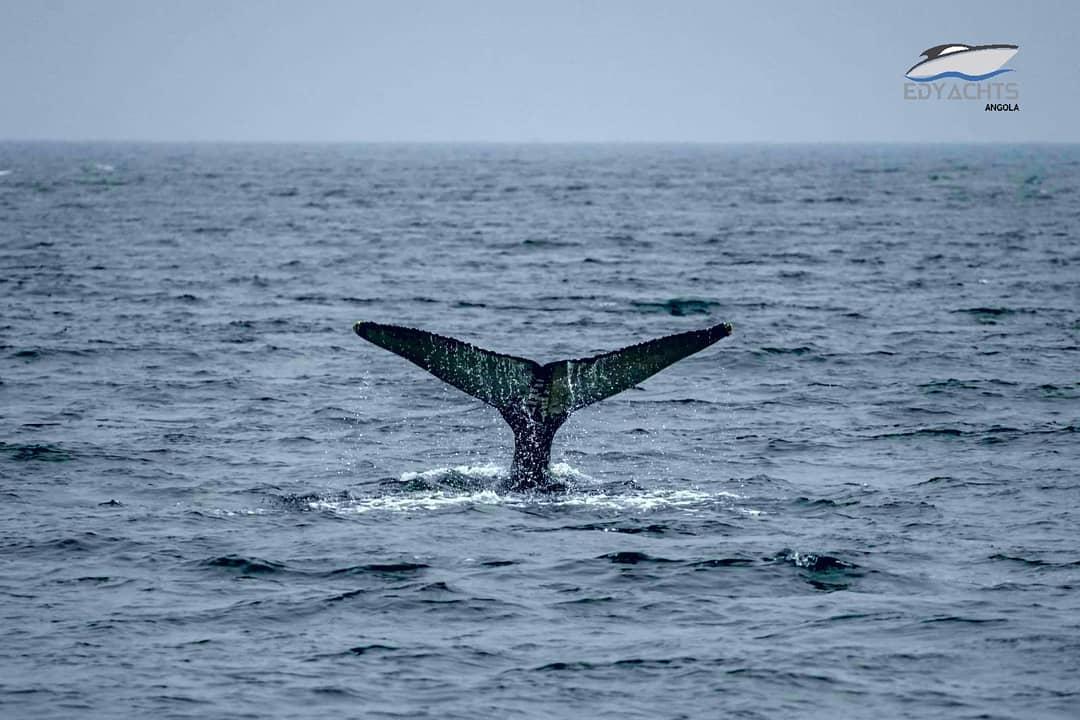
<point>536,399</point>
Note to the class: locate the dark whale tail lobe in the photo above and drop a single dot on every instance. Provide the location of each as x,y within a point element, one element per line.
<point>499,380</point>
<point>535,399</point>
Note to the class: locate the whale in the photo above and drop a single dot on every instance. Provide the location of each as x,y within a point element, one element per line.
<point>535,400</point>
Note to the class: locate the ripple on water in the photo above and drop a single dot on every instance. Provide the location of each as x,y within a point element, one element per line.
<point>193,448</point>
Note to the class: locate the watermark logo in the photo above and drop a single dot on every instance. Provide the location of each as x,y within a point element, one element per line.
<point>939,75</point>
<point>966,62</point>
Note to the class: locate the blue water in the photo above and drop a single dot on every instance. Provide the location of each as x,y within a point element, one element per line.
<point>219,502</point>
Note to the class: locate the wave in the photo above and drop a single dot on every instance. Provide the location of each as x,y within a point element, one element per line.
<point>987,435</point>
<point>814,561</point>
<point>40,452</point>
<point>959,76</point>
<point>800,350</point>
<point>630,557</point>
<point>1034,562</point>
<point>987,313</point>
<point>390,568</point>
<point>578,666</point>
<point>243,565</point>
<point>677,307</point>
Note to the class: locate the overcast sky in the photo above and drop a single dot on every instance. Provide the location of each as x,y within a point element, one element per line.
<point>547,70</point>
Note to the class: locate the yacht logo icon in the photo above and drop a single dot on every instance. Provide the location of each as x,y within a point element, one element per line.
<point>966,62</point>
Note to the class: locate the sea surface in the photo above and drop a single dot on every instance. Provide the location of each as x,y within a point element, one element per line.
<point>217,501</point>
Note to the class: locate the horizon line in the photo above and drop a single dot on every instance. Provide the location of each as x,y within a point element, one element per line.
<point>160,141</point>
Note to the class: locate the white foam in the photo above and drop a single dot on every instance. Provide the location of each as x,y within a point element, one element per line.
<point>480,472</point>
<point>649,501</point>
<point>585,493</point>
<point>218,512</point>
<point>564,471</point>
<point>411,502</point>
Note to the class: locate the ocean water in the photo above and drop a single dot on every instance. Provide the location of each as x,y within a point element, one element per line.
<point>219,502</point>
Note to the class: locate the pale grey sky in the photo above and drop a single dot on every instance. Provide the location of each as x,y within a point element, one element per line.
<point>548,70</point>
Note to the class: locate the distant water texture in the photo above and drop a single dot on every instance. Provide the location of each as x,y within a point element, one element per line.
<point>219,502</point>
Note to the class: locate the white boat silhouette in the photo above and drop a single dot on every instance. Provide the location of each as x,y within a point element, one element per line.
<point>970,62</point>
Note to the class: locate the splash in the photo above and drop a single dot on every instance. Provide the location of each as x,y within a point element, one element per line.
<point>488,471</point>
<point>470,486</point>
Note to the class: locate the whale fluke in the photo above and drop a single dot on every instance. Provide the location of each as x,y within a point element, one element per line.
<point>497,379</point>
<point>536,399</point>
